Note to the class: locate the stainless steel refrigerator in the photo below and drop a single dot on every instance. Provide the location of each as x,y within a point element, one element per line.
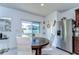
<point>64,35</point>
<point>67,34</point>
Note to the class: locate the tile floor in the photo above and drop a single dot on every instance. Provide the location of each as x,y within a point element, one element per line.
<point>53,51</point>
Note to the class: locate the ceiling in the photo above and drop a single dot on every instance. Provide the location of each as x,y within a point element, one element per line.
<point>36,8</point>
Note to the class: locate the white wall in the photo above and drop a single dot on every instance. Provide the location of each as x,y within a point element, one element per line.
<point>50,18</point>
<point>17,17</point>
<point>52,31</point>
<point>69,13</point>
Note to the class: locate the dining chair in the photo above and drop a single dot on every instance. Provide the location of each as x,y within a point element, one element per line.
<point>24,46</point>
<point>48,49</point>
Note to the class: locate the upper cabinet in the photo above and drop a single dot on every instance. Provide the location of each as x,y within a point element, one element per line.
<point>5,25</point>
<point>77,17</point>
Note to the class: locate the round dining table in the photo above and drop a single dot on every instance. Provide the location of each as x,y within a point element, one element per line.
<point>38,43</point>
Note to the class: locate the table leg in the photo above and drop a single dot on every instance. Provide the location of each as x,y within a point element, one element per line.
<point>38,51</point>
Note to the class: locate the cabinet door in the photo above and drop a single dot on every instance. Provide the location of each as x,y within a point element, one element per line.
<point>77,17</point>
<point>76,45</point>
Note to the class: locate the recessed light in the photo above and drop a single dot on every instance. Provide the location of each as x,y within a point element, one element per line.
<point>42,4</point>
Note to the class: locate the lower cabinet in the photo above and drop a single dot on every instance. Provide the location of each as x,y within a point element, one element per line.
<point>11,52</point>
<point>76,45</point>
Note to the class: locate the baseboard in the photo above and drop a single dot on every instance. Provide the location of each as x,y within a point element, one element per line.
<point>64,50</point>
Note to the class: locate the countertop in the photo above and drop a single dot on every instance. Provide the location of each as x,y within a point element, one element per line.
<point>3,38</point>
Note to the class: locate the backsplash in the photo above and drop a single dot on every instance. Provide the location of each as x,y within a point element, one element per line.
<point>76,31</point>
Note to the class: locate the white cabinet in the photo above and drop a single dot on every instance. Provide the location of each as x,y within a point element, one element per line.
<point>11,52</point>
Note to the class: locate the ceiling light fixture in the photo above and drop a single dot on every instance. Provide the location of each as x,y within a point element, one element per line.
<point>42,4</point>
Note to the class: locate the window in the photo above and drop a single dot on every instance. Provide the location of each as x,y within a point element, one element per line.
<point>29,28</point>
<point>35,27</point>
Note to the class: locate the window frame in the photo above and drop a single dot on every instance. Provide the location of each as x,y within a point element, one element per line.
<point>31,24</point>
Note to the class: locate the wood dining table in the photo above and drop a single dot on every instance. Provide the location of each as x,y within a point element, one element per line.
<point>38,43</point>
